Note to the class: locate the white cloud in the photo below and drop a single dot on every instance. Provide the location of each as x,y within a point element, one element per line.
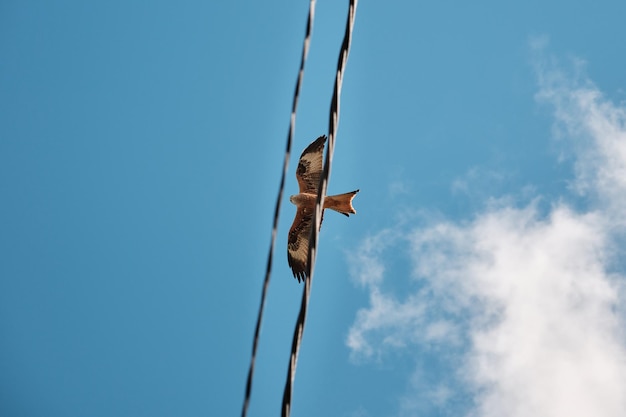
<point>530,301</point>
<point>544,334</point>
<point>394,318</point>
<point>596,129</point>
<point>365,264</point>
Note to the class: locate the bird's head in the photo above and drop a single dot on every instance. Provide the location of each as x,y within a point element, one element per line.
<point>291,198</point>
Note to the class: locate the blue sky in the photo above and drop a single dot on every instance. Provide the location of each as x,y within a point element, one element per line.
<point>140,153</point>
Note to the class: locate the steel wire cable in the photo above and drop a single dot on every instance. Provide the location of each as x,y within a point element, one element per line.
<point>317,214</point>
<point>268,270</point>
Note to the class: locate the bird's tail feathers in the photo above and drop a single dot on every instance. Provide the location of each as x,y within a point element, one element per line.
<point>341,203</point>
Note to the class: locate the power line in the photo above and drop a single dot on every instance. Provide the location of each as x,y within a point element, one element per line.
<point>317,214</point>
<point>268,270</point>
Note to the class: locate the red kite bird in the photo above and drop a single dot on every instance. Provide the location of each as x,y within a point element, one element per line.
<point>308,174</point>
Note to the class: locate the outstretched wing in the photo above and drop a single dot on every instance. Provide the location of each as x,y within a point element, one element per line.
<point>298,242</point>
<point>310,166</point>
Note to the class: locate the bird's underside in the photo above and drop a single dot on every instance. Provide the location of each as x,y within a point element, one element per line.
<point>341,203</point>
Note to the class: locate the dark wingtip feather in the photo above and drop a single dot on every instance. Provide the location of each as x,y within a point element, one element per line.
<point>298,269</point>
<point>316,145</point>
<point>300,275</point>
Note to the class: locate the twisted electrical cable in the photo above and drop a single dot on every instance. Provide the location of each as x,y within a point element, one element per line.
<point>268,270</point>
<point>317,215</point>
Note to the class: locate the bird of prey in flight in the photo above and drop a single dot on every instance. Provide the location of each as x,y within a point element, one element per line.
<point>308,175</point>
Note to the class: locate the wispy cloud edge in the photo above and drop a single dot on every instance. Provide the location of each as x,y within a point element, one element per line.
<point>534,295</point>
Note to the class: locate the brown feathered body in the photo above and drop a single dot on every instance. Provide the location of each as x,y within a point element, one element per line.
<point>308,175</point>
<point>341,203</point>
